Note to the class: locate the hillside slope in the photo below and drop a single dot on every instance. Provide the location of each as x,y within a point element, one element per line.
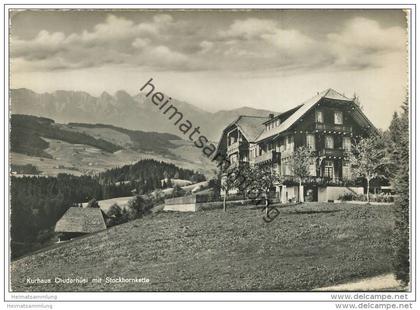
<point>305,247</point>
<point>79,148</point>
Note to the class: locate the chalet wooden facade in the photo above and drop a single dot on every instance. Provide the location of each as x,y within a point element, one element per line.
<point>328,124</point>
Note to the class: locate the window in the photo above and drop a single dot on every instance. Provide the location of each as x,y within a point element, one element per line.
<point>329,169</point>
<point>319,117</point>
<point>290,143</point>
<point>282,147</point>
<point>338,118</point>
<point>234,158</point>
<point>312,169</point>
<point>287,170</point>
<point>252,152</point>
<point>310,141</point>
<point>329,142</point>
<point>346,170</point>
<point>346,144</point>
<point>278,122</point>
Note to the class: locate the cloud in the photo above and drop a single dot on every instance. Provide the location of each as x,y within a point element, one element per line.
<point>364,43</point>
<point>140,43</point>
<point>117,40</point>
<point>164,43</point>
<point>42,46</point>
<point>267,45</point>
<point>249,28</point>
<point>267,32</point>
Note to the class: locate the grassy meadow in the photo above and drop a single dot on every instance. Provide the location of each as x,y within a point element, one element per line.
<point>307,246</point>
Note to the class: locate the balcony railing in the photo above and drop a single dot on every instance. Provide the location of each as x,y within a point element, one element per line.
<point>331,127</point>
<point>236,147</point>
<point>270,156</point>
<point>322,181</point>
<point>287,153</point>
<point>332,152</point>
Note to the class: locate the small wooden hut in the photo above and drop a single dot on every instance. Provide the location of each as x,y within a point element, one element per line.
<point>80,221</point>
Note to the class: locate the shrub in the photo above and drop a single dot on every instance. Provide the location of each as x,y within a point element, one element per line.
<point>138,207</point>
<point>116,215</point>
<point>346,197</point>
<point>93,203</point>
<point>157,197</point>
<point>374,198</point>
<point>178,192</point>
<point>352,197</point>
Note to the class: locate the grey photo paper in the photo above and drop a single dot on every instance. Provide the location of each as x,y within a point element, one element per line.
<point>213,149</point>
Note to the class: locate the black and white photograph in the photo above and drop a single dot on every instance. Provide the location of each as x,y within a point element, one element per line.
<point>248,150</point>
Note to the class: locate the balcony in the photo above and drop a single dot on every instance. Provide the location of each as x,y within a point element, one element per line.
<point>331,127</point>
<point>270,156</point>
<point>238,164</point>
<point>320,181</point>
<point>236,147</point>
<point>332,152</point>
<point>287,153</point>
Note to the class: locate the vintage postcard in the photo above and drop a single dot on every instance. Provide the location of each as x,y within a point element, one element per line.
<point>209,149</point>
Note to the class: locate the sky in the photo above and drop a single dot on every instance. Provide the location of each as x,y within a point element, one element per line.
<point>217,59</point>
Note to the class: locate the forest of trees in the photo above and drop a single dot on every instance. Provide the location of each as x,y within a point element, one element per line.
<point>143,176</point>
<point>398,147</point>
<point>38,202</point>
<point>25,169</point>
<point>27,130</point>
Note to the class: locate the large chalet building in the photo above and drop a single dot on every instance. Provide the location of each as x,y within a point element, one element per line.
<point>328,124</point>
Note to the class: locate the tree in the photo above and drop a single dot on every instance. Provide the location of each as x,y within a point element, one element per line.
<point>368,159</point>
<point>229,181</point>
<point>116,215</point>
<point>301,161</point>
<point>93,203</point>
<point>197,178</point>
<point>260,180</point>
<point>157,196</point>
<point>399,152</point>
<point>138,207</point>
<point>178,191</point>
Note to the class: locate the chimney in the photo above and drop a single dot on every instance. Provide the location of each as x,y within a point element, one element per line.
<point>271,115</point>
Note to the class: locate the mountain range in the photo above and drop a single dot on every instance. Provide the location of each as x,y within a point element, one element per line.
<point>122,110</point>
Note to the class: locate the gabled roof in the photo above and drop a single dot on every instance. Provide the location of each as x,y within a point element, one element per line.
<point>81,220</point>
<point>305,107</point>
<point>250,126</point>
<point>283,114</point>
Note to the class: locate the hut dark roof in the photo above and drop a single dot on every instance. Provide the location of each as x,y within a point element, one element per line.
<point>81,220</point>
